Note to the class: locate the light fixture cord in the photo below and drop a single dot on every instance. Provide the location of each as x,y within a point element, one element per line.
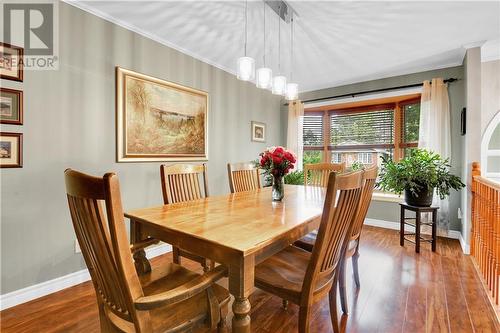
<point>246,24</point>
<point>291,53</point>
<point>279,40</point>
<point>264,3</point>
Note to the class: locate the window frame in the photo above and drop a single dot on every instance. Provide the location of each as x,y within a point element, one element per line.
<point>397,106</point>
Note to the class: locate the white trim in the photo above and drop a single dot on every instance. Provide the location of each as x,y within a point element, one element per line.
<point>27,294</point>
<point>386,197</point>
<point>80,5</point>
<point>485,141</point>
<point>392,93</point>
<point>465,246</point>
<point>453,234</point>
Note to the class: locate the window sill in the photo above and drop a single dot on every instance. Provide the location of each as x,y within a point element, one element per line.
<point>386,197</point>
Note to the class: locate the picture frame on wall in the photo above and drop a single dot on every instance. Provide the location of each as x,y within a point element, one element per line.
<point>11,106</point>
<point>11,66</point>
<point>158,120</point>
<point>258,131</point>
<point>11,150</point>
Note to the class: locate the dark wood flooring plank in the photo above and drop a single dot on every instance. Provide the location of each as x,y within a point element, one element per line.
<point>400,291</point>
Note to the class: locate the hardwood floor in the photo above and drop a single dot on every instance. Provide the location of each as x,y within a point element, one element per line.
<point>400,292</point>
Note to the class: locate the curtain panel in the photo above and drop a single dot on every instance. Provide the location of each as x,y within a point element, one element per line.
<point>294,132</point>
<point>435,133</point>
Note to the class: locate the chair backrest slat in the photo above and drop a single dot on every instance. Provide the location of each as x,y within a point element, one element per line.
<point>243,177</point>
<point>104,244</point>
<point>341,203</point>
<point>181,182</point>
<point>370,177</point>
<point>317,174</point>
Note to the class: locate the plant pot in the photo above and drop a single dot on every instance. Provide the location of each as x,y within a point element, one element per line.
<point>422,199</point>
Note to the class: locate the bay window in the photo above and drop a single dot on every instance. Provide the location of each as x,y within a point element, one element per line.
<point>361,133</point>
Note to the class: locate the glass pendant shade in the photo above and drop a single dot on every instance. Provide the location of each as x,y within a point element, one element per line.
<point>264,78</point>
<point>246,69</point>
<point>292,91</point>
<point>279,85</point>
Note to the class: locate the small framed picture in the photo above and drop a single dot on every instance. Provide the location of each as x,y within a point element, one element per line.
<point>11,66</point>
<point>258,131</point>
<point>11,106</point>
<point>11,150</point>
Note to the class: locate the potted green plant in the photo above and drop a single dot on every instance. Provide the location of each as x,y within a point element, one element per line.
<point>417,176</point>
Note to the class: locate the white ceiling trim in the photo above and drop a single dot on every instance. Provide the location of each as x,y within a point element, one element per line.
<point>133,28</point>
<point>385,76</point>
<point>366,97</point>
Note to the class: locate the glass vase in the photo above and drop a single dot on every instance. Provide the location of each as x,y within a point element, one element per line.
<point>278,188</point>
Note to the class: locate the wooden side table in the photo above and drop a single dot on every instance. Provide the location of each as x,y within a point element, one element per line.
<point>416,222</point>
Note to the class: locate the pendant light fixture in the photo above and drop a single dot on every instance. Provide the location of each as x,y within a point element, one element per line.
<point>264,74</point>
<point>292,89</point>
<point>279,81</point>
<point>246,65</point>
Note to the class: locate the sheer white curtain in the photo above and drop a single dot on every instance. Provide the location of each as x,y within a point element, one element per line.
<point>435,132</point>
<point>294,132</point>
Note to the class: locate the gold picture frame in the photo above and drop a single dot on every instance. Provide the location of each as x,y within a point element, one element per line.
<point>11,150</point>
<point>159,121</point>
<point>11,65</point>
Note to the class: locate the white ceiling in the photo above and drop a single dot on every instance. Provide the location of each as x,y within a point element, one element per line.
<point>335,42</point>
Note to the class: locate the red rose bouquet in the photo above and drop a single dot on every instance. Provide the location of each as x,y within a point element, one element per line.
<point>277,161</point>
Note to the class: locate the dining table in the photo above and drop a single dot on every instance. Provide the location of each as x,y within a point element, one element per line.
<point>237,230</point>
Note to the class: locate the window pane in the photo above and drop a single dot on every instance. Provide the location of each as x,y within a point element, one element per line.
<point>411,121</point>
<point>364,156</point>
<point>409,151</point>
<point>312,157</point>
<point>313,130</point>
<point>362,128</point>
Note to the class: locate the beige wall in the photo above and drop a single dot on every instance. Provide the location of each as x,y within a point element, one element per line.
<point>490,91</point>
<point>70,122</point>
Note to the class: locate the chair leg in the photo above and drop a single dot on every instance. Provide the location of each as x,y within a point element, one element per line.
<point>176,256</point>
<point>222,325</point>
<point>342,286</point>
<point>332,295</point>
<point>355,268</point>
<point>304,315</point>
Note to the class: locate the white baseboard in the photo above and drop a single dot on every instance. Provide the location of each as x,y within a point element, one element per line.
<point>33,292</point>
<point>464,245</point>
<point>27,294</point>
<point>395,226</point>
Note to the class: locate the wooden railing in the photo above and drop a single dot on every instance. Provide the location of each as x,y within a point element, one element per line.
<point>485,241</point>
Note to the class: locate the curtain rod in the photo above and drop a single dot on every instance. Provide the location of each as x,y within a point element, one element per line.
<point>450,80</point>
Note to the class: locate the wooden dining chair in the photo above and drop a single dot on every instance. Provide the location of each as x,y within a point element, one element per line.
<point>317,174</point>
<point>181,183</point>
<point>168,299</point>
<point>243,177</point>
<point>303,277</point>
<point>352,249</point>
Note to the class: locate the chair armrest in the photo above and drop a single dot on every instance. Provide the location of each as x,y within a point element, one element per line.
<point>140,245</point>
<point>182,292</point>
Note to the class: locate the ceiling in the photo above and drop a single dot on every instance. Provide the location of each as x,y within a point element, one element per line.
<point>335,43</point>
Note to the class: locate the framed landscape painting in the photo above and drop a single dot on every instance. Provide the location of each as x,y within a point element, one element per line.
<point>11,106</point>
<point>11,67</point>
<point>159,120</point>
<point>11,150</point>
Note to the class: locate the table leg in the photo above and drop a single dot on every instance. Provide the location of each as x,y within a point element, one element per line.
<point>402,227</point>
<point>417,232</point>
<point>434,230</point>
<point>142,265</point>
<point>241,282</point>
